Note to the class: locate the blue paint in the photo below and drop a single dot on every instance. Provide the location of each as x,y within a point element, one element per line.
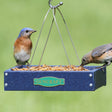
<point>74,80</point>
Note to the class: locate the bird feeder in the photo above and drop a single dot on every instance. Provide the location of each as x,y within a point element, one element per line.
<point>25,79</point>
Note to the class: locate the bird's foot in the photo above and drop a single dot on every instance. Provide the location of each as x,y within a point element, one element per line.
<point>105,65</point>
<point>19,66</point>
<point>28,65</point>
<point>100,67</point>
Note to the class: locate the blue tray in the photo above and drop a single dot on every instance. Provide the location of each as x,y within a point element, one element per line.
<point>54,80</point>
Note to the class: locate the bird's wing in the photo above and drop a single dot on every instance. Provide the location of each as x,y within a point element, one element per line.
<point>97,52</point>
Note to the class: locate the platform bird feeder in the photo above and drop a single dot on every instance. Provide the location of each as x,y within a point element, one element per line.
<point>54,78</point>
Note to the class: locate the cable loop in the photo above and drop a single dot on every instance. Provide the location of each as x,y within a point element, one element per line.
<point>54,7</point>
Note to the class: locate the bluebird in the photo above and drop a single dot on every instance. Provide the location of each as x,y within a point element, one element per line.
<point>99,55</point>
<point>23,46</point>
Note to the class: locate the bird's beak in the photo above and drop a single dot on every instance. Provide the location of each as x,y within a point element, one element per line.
<point>33,31</point>
<point>81,65</point>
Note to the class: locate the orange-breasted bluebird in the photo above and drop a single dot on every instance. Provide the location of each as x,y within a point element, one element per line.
<point>23,46</point>
<point>99,55</point>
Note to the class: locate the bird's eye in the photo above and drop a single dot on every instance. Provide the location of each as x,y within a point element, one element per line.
<point>84,60</point>
<point>27,31</point>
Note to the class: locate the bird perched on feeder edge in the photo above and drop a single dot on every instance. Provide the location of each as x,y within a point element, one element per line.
<point>23,46</point>
<point>99,55</point>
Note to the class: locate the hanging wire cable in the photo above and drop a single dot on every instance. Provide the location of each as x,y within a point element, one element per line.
<point>69,34</point>
<point>39,35</point>
<point>46,42</point>
<point>61,37</point>
<point>54,19</point>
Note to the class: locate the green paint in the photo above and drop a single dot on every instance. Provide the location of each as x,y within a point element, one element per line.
<point>49,81</point>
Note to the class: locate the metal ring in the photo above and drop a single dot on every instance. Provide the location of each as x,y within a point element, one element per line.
<point>54,7</point>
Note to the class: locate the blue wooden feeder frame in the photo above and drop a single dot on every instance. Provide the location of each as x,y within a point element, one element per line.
<point>54,80</point>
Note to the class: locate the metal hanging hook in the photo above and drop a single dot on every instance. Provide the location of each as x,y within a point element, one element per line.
<point>54,7</point>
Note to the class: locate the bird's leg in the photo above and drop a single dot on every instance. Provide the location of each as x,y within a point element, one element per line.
<point>106,64</point>
<point>28,65</point>
<point>18,65</point>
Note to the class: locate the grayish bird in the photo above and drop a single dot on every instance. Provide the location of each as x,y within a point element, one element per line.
<point>99,55</point>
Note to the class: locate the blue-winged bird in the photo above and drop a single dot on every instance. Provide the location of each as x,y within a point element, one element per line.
<point>23,46</point>
<point>99,55</point>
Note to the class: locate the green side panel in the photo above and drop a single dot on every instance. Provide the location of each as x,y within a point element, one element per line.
<point>49,81</point>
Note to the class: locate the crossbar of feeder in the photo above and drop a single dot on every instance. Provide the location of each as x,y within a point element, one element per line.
<point>40,34</point>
